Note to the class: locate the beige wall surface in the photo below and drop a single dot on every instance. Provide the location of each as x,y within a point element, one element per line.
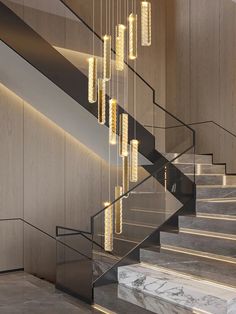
<point>201,71</point>
<point>47,178</point>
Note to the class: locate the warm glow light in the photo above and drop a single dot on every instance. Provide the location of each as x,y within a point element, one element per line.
<point>123,135</point>
<point>118,210</point>
<point>92,80</point>
<point>120,47</point>
<point>146,23</point>
<point>134,161</point>
<point>107,57</point>
<point>112,121</point>
<point>125,177</point>
<point>133,36</point>
<point>101,101</point>
<point>108,235</point>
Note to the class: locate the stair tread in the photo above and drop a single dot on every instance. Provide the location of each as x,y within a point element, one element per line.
<point>197,294</point>
<point>199,266</point>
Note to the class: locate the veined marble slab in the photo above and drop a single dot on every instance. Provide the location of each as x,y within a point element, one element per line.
<point>189,293</point>
<point>149,302</point>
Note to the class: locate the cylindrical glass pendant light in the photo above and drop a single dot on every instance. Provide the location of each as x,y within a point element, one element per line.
<point>134,161</point>
<point>118,210</point>
<point>120,47</point>
<point>92,80</point>
<point>108,232</point>
<point>101,101</point>
<point>146,23</point>
<point>123,135</point>
<point>112,121</point>
<point>133,36</point>
<point>125,174</point>
<point>107,57</point>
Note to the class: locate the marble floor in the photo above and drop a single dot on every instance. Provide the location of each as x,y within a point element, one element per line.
<point>21,293</point>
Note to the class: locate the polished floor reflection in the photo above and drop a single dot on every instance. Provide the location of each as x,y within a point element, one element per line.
<point>21,293</point>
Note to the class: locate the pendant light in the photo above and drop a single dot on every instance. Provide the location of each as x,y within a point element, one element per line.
<point>108,236</point>
<point>107,57</point>
<point>133,36</point>
<point>120,47</point>
<point>134,161</point>
<point>118,210</point>
<point>125,174</point>
<point>146,23</point>
<point>123,135</point>
<point>92,80</point>
<point>101,101</point>
<point>112,121</point>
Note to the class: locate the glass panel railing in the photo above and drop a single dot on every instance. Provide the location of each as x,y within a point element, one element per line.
<point>149,206</point>
<point>74,263</point>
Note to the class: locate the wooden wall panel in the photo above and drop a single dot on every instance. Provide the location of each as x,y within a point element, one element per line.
<point>39,254</point>
<point>43,171</point>
<point>11,245</point>
<point>83,184</point>
<point>11,165</point>
<point>200,76</point>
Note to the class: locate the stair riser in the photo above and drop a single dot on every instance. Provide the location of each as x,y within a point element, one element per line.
<point>207,179</point>
<point>145,217</point>
<point>187,158</point>
<point>198,242</point>
<point>120,248</point>
<point>202,169</point>
<point>147,201</point>
<point>221,272</point>
<point>208,224</point>
<point>208,193</point>
<point>220,208</point>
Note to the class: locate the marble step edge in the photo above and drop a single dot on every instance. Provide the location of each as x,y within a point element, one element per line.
<point>210,234</point>
<point>216,216</point>
<point>188,276</point>
<point>219,272</point>
<point>209,223</point>
<point>207,255</point>
<point>159,284</point>
<point>102,309</point>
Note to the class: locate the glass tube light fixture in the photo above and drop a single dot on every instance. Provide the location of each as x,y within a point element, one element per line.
<point>146,23</point>
<point>118,210</point>
<point>123,136</point>
<point>101,101</point>
<point>134,160</point>
<point>112,121</point>
<point>107,57</point>
<point>92,80</point>
<point>133,36</point>
<point>108,232</point>
<point>120,47</point>
<point>125,174</point>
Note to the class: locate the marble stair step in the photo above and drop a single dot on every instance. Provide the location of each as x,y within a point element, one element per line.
<point>191,293</point>
<point>213,179</point>
<point>199,266</point>
<point>202,241</point>
<point>102,261</point>
<point>147,200</point>
<point>217,206</point>
<point>189,158</point>
<point>121,245</point>
<point>209,223</point>
<point>142,215</point>
<point>201,168</point>
<point>212,192</point>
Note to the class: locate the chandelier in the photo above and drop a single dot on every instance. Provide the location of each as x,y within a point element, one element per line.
<point>123,33</point>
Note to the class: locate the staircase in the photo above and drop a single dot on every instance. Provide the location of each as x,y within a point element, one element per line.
<point>195,267</point>
<point>165,242</point>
